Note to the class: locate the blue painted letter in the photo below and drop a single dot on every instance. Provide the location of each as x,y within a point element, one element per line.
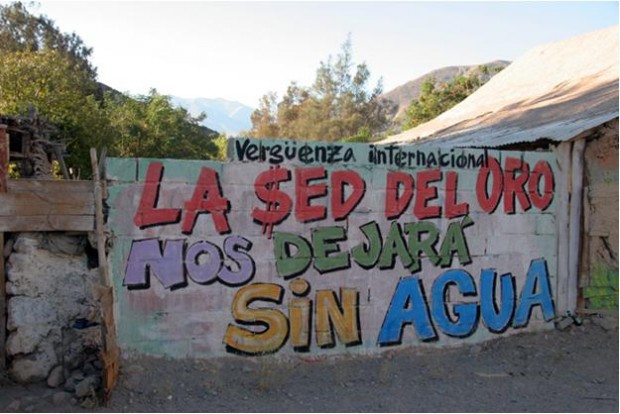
<point>537,277</point>
<point>466,313</point>
<point>496,320</point>
<point>408,306</point>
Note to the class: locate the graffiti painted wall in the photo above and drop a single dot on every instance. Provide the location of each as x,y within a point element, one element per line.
<point>312,248</point>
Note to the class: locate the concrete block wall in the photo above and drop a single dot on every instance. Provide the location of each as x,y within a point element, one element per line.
<point>264,254</point>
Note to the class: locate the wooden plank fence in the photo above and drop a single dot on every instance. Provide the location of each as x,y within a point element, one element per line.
<point>47,205</point>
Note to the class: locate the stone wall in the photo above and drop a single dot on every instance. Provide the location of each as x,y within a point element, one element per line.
<point>52,319</point>
<point>599,281</point>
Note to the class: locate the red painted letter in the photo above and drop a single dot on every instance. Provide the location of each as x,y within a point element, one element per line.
<point>516,173</point>
<point>278,202</point>
<point>425,194</point>
<point>304,193</point>
<point>207,198</point>
<point>453,209</point>
<point>541,201</point>
<point>341,207</point>
<point>395,204</point>
<point>488,203</point>
<point>148,214</point>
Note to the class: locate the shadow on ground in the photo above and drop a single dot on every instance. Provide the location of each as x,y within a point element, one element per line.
<point>574,370</point>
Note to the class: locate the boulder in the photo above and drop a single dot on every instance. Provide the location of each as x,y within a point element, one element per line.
<point>56,377</point>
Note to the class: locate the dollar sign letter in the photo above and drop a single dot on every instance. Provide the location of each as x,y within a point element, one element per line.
<point>278,202</point>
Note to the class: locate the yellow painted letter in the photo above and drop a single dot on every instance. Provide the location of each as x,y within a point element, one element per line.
<point>343,319</point>
<point>270,339</point>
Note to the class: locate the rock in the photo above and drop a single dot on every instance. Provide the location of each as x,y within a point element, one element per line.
<point>63,243</point>
<point>69,385</point>
<point>27,243</point>
<point>606,323</point>
<point>89,369</point>
<point>61,397</point>
<point>87,386</point>
<point>89,403</point>
<point>26,339</point>
<point>13,406</point>
<point>92,358</point>
<point>77,375</point>
<point>56,377</point>
<point>564,323</point>
<point>34,367</point>
<point>75,378</point>
<point>97,364</point>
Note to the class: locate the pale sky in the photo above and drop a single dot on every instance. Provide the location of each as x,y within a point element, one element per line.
<point>240,51</point>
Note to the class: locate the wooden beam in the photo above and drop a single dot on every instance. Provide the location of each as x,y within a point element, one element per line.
<point>47,205</point>
<point>47,223</point>
<point>53,204</point>
<point>4,175</point>
<point>25,185</point>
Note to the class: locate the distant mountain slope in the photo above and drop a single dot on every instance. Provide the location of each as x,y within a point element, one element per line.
<point>403,95</point>
<point>223,115</point>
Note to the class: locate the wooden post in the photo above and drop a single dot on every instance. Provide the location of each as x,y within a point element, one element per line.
<point>99,222</point>
<point>584,262</point>
<point>562,191</point>
<point>4,175</point>
<point>575,223</point>
<point>110,354</point>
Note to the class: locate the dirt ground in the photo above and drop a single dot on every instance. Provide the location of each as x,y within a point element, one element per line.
<point>574,370</point>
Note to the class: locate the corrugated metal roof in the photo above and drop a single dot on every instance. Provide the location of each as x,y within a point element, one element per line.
<point>553,92</point>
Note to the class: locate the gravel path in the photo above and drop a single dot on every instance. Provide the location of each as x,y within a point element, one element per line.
<point>575,370</point>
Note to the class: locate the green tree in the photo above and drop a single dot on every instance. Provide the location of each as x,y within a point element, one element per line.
<point>436,98</point>
<point>21,31</point>
<point>49,82</point>
<point>264,122</point>
<point>150,126</point>
<point>338,105</point>
<point>50,71</point>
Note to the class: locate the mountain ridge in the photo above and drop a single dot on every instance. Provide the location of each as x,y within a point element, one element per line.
<point>223,115</point>
<point>233,117</point>
<point>403,95</point>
